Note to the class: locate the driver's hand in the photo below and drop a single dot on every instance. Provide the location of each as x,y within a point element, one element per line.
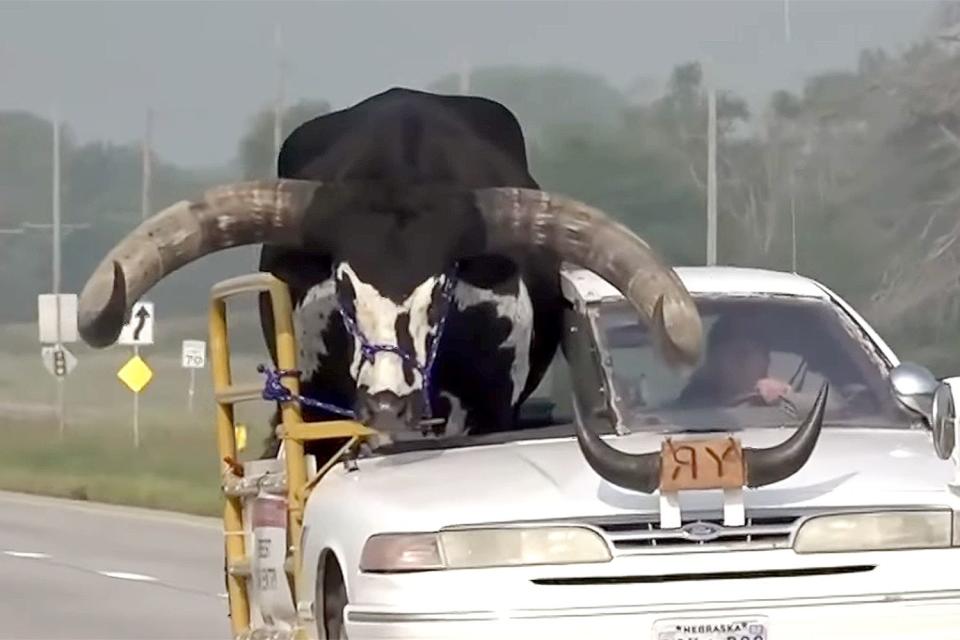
<point>771,389</point>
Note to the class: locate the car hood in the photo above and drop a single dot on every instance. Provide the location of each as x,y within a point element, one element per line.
<point>545,479</point>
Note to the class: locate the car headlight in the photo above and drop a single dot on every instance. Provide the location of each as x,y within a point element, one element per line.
<point>471,548</point>
<point>881,531</point>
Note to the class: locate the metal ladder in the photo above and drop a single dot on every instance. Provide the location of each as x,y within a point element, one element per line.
<point>293,482</point>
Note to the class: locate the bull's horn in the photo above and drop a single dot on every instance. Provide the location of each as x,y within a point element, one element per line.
<point>227,216</point>
<point>766,466</point>
<point>588,237</point>
<point>641,472</point>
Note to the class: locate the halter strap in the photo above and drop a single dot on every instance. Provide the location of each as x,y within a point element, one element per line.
<point>273,390</point>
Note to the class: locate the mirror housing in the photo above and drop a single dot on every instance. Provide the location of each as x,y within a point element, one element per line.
<point>943,421</point>
<point>914,387</point>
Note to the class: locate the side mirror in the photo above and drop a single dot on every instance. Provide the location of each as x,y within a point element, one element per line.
<point>914,387</point>
<point>943,420</point>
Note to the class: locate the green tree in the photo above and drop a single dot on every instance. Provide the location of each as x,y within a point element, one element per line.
<point>542,97</point>
<point>26,165</point>
<point>643,184</point>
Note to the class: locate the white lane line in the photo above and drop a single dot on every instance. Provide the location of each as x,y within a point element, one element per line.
<point>223,595</point>
<point>25,554</point>
<point>121,575</point>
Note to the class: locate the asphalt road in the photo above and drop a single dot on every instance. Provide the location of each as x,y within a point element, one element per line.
<point>73,570</point>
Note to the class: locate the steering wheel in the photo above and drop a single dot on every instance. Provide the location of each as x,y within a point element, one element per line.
<point>857,398</point>
<point>754,396</point>
<point>797,380</point>
<point>630,392</point>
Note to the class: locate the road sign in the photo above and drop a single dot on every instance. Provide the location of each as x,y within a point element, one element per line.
<point>139,331</point>
<point>136,374</point>
<point>60,362</point>
<point>193,354</point>
<point>240,436</point>
<point>47,317</point>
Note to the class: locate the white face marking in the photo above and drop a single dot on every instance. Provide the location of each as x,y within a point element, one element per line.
<point>376,316</point>
<point>519,311</point>
<point>310,318</point>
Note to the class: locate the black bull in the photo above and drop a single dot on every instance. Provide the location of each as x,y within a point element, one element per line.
<point>380,203</point>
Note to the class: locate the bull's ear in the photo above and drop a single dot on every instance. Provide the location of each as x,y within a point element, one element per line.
<point>299,269</point>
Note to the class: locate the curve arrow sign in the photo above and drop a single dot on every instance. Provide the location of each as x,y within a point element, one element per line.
<point>142,316</point>
<point>139,329</point>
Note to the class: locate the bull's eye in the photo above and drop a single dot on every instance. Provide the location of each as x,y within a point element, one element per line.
<point>346,295</point>
<point>347,305</point>
<point>438,305</point>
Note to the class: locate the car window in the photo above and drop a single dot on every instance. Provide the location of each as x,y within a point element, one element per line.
<point>799,343</point>
<point>555,387</point>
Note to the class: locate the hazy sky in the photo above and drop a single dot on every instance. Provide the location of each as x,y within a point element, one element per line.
<point>206,67</point>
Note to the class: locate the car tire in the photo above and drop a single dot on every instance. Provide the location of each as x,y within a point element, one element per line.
<point>331,599</point>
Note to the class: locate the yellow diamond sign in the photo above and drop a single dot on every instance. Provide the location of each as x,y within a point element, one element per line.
<point>136,374</point>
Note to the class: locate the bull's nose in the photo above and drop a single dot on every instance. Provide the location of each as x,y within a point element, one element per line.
<point>386,411</point>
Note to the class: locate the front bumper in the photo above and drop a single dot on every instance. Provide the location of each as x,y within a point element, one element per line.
<point>912,616</point>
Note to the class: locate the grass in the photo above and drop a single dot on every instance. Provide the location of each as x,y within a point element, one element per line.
<point>176,466</point>
<point>174,470</point>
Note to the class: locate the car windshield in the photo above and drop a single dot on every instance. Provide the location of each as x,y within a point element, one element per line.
<point>789,345</point>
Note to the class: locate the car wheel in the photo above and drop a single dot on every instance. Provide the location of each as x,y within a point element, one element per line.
<point>332,598</point>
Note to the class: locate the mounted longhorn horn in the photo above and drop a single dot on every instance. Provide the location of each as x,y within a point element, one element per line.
<point>641,472</point>
<point>268,211</point>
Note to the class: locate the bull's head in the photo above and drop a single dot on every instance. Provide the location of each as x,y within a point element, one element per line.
<point>391,263</point>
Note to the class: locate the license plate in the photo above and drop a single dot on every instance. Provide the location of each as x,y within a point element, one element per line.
<point>747,628</point>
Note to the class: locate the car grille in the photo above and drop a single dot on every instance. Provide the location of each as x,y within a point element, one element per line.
<point>633,534</point>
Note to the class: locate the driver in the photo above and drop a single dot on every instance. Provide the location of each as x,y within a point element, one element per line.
<point>735,367</point>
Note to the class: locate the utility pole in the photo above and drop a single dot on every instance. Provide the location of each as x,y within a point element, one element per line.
<point>786,19</point>
<point>146,181</point>
<point>711,176</point>
<point>278,102</point>
<point>793,221</point>
<point>147,166</point>
<point>55,267</point>
<point>793,189</point>
<point>464,78</point>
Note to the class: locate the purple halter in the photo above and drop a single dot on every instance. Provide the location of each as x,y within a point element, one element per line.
<point>274,391</point>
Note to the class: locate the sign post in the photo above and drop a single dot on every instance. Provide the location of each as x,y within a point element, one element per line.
<point>136,373</point>
<point>57,324</point>
<point>193,356</point>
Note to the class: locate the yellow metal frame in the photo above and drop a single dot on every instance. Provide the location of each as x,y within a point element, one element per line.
<point>294,433</point>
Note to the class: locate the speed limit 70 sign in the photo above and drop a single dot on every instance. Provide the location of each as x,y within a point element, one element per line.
<point>194,354</point>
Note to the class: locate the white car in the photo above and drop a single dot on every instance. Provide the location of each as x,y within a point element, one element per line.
<point>515,535</point>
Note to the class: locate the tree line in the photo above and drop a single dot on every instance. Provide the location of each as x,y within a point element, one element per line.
<point>865,160</point>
